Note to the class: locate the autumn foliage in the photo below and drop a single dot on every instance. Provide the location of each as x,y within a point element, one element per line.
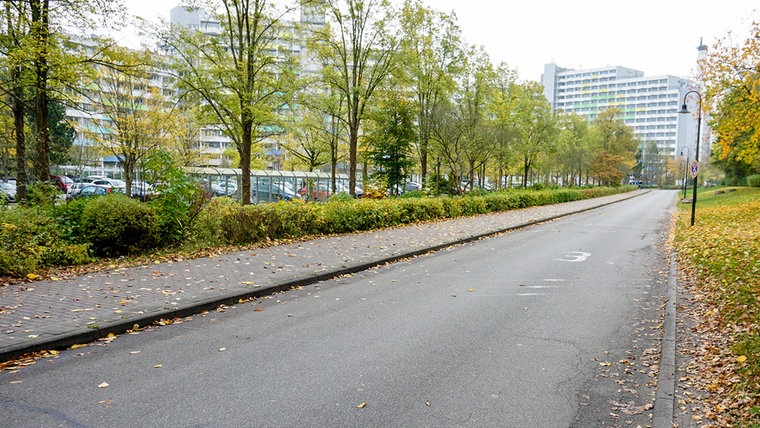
<point>720,256</point>
<point>732,77</point>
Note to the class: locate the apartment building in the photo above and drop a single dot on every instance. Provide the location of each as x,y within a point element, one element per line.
<point>649,105</point>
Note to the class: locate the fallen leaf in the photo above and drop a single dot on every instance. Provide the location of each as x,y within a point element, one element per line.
<point>134,352</point>
<point>157,366</point>
<point>361,406</point>
<point>103,385</point>
<point>222,349</point>
<point>78,345</point>
<point>741,359</point>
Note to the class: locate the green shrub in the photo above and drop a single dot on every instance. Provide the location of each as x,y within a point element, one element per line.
<point>42,195</point>
<point>116,225</point>
<point>413,194</point>
<point>208,229</point>
<point>69,217</point>
<point>340,197</point>
<point>30,238</point>
<point>753,180</point>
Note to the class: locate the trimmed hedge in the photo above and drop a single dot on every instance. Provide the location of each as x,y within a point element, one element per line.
<point>224,223</point>
<point>114,225</point>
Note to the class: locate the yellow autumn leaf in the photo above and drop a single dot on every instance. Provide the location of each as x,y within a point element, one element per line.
<point>78,345</point>
<point>32,276</point>
<point>361,406</point>
<point>742,359</point>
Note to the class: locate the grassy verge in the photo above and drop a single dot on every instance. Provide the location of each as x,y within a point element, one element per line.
<point>720,254</point>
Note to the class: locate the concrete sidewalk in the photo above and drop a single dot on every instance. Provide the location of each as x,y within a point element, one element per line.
<point>55,314</point>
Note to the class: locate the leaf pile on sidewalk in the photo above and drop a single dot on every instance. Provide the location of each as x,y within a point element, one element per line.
<point>720,258</point>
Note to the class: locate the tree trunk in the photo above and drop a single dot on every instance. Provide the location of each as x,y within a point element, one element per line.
<point>18,122</point>
<point>245,161</point>
<point>41,33</point>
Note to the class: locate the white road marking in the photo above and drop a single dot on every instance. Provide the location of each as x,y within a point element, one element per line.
<point>575,257</point>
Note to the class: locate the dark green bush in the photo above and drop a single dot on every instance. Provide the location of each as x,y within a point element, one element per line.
<point>116,225</point>
<point>753,180</point>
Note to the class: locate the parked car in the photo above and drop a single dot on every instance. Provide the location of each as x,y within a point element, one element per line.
<point>117,186</point>
<point>317,191</point>
<point>263,192</point>
<point>142,190</point>
<point>224,187</point>
<point>411,186</point>
<point>62,182</point>
<point>8,191</point>
<point>97,190</point>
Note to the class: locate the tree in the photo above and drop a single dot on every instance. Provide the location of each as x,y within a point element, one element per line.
<point>38,66</point>
<point>732,96</point>
<point>533,124</point>
<point>243,75</point>
<point>651,165</point>
<point>615,147</point>
<point>61,133</point>
<point>356,56</point>
<point>129,109</point>
<point>392,137</point>
<point>502,133</point>
<point>15,34</point>
<point>432,55</point>
<point>573,155</point>
<point>306,138</point>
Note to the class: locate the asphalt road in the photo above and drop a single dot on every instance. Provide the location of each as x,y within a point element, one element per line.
<point>555,325</point>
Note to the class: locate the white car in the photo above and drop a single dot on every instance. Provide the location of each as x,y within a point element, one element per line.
<point>224,188</point>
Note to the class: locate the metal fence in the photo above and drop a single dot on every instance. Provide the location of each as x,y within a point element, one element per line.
<point>269,186</point>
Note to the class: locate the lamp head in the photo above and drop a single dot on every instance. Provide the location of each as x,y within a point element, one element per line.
<point>684,109</point>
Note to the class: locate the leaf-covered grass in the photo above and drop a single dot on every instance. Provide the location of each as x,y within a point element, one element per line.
<point>722,254</point>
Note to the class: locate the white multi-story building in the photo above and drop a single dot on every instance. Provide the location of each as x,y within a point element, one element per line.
<point>649,105</point>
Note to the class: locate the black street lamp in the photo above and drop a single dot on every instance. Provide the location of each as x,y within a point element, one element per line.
<point>685,170</point>
<point>685,110</point>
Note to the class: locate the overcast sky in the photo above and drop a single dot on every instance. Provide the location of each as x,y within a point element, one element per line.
<point>654,36</point>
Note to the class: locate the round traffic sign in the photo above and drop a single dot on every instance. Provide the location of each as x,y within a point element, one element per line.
<point>694,168</point>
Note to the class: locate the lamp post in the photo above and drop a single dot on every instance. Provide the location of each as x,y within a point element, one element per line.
<point>685,170</point>
<point>685,110</point>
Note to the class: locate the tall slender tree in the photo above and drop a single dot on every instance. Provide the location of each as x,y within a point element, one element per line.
<point>244,74</point>
<point>432,57</point>
<point>357,51</point>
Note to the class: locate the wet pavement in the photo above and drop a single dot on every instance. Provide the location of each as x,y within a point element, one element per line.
<point>57,313</point>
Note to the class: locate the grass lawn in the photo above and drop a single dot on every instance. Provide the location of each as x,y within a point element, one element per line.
<point>720,256</point>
